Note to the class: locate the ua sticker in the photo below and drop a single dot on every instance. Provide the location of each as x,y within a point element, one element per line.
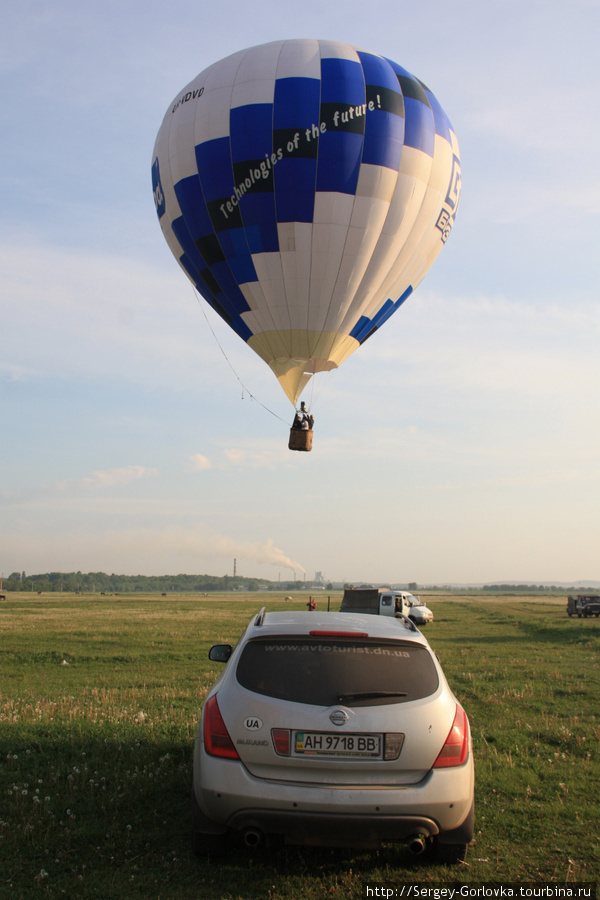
<point>252,723</point>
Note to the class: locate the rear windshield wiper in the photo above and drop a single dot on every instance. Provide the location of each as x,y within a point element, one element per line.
<point>369,695</point>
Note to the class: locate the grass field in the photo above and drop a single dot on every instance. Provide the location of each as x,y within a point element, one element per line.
<point>99,703</point>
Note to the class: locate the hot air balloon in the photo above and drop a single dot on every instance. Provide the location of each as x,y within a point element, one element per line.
<point>305,187</point>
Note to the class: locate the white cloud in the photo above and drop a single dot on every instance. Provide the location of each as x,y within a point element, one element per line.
<point>259,458</point>
<point>108,316</point>
<point>235,457</point>
<point>71,488</point>
<point>113,477</point>
<point>493,344</point>
<point>199,463</point>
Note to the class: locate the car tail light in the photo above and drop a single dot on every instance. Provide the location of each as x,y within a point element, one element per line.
<point>456,748</point>
<point>281,741</point>
<point>216,737</point>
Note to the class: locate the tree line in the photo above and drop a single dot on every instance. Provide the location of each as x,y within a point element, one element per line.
<point>101,582</point>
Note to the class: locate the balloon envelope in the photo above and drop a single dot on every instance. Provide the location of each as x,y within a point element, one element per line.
<point>305,187</point>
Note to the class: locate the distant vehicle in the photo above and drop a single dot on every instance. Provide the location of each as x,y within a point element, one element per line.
<point>419,612</point>
<point>583,605</point>
<point>333,730</point>
<point>384,602</point>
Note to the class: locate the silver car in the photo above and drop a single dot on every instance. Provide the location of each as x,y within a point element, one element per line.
<point>333,729</point>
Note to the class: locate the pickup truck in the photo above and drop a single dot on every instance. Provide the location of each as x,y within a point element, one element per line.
<point>583,605</point>
<point>380,602</point>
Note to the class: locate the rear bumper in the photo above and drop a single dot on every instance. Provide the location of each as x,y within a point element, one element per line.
<point>332,830</point>
<point>345,815</point>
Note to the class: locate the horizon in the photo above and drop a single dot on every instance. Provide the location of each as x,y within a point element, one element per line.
<point>395,584</point>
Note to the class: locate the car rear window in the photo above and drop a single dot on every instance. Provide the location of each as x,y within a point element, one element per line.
<point>326,671</point>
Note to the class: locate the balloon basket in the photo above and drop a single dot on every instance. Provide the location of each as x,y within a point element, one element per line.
<point>300,439</point>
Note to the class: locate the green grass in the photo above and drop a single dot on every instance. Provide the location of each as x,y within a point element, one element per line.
<point>99,703</point>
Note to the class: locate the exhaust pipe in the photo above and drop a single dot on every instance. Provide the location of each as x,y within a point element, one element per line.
<point>416,844</point>
<point>252,837</point>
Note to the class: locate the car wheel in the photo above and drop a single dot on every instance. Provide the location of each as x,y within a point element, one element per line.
<point>212,845</point>
<point>208,838</point>
<point>450,853</point>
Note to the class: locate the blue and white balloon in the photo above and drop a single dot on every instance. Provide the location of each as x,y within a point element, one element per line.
<point>305,187</point>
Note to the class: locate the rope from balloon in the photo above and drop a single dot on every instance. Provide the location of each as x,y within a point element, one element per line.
<point>243,386</point>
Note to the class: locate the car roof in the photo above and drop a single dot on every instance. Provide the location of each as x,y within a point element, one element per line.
<point>298,622</point>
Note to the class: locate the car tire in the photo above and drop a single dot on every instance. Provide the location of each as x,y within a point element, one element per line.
<point>450,853</point>
<point>208,838</point>
<point>213,846</point>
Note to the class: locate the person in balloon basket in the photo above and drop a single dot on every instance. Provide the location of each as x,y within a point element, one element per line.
<point>303,419</point>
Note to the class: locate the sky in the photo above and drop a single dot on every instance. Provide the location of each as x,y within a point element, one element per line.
<point>139,435</point>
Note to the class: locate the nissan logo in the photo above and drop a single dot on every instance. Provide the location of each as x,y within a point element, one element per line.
<point>339,717</point>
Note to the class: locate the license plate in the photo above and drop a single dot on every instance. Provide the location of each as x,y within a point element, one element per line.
<point>320,743</point>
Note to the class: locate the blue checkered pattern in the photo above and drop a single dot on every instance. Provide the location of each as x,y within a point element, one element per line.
<point>315,120</point>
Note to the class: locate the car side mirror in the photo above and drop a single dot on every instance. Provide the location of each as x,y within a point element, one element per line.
<point>220,652</point>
